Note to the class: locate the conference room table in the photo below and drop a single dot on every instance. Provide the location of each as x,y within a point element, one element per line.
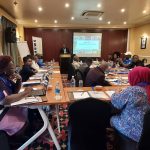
<point>50,99</point>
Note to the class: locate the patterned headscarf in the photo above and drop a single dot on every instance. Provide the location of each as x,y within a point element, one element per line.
<point>140,76</point>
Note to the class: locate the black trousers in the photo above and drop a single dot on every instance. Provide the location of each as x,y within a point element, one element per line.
<point>125,143</point>
<point>4,145</point>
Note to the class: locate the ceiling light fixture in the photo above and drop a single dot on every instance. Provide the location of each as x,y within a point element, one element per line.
<point>55,21</point>
<point>124,22</point>
<point>40,8</point>
<point>144,12</point>
<point>35,20</point>
<point>109,22</point>
<point>15,3</point>
<point>98,5</point>
<point>100,18</point>
<point>72,18</point>
<point>67,5</point>
<point>122,10</point>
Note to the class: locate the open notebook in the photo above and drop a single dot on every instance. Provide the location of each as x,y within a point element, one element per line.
<point>27,100</point>
<point>94,94</point>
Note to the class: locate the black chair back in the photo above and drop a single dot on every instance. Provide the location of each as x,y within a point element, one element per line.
<point>71,71</point>
<point>144,143</point>
<point>88,120</point>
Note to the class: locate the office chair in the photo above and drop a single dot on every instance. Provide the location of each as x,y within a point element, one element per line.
<point>144,143</point>
<point>88,120</point>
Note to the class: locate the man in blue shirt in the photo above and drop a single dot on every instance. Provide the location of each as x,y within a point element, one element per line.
<point>127,59</point>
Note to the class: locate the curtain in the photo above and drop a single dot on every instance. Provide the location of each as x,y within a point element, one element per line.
<point>9,48</point>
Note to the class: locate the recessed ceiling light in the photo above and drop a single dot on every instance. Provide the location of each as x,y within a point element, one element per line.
<point>124,22</point>
<point>40,8</point>
<point>55,21</point>
<point>72,18</point>
<point>109,22</point>
<point>122,10</point>
<point>67,5</point>
<point>144,12</point>
<point>35,20</point>
<point>100,18</point>
<point>98,5</point>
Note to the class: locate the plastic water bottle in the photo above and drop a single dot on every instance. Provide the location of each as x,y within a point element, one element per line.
<point>73,82</point>
<point>80,83</point>
<point>57,91</point>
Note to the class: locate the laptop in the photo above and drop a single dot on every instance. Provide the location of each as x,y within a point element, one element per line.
<point>38,92</point>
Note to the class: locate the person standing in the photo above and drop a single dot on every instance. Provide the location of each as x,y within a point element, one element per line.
<point>64,50</point>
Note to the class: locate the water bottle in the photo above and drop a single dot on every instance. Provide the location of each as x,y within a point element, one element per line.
<point>80,83</point>
<point>57,91</point>
<point>73,82</point>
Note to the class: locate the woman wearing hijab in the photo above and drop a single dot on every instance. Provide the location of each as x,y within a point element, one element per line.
<point>133,103</point>
<point>12,120</point>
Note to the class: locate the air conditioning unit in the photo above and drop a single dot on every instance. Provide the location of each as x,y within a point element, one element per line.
<point>92,13</point>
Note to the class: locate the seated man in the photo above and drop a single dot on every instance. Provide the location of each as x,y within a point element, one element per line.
<point>40,60</point>
<point>27,71</point>
<point>35,60</point>
<point>76,62</point>
<point>127,60</point>
<point>85,67</point>
<point>96,76</point>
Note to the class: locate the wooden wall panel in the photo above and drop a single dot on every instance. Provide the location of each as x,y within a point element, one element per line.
<point>53,39</point>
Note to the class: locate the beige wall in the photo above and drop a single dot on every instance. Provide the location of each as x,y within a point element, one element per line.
<point>135,35</point>
<point>20,32</point>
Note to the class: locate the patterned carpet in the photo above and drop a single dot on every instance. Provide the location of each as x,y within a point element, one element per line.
<point>44,142</point>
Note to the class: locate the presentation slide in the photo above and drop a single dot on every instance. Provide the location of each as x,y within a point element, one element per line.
<point>87,44</point>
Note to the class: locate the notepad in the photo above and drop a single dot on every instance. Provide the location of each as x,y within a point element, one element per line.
<point>110,93</point>
<point>80,95</point>
<point>98,94</point>
<point>27,100</point>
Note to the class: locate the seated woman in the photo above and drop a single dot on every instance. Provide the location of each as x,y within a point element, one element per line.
<point>14,119</point>
<point>27,70</point>
<point>115,58</point>
<point>133,104</point>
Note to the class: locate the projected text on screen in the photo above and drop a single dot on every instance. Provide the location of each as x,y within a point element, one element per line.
<point>87,44</point>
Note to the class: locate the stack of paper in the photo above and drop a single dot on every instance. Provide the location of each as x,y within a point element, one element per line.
<point>27,100</point>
